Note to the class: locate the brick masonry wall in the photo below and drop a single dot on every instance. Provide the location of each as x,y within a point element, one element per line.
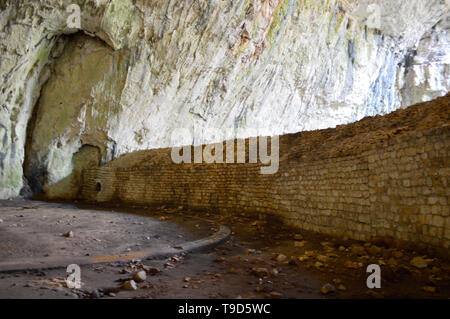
<point>369,186</point>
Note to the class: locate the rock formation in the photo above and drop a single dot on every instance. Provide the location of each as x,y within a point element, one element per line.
<point>130,72</point>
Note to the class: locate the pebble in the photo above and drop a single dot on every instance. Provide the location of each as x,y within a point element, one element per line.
<point>429,289</point>
<point>350,264</point>
<point>342,288</point>
<point>318,264</point>
<point>260,272</point>
<point>1,220</point>
<point>281,258</point>
<point>419,262</point>
<point>250,251</point>
<point>322,258</point>
<point>130,285</point>
<point>276,295</point>
<point>68,234</point>
<point>299,244</point>
<point>140,276</point>
<point>153,271</point>
<point>327,289</point>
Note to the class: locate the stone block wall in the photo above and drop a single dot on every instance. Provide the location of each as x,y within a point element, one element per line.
<point>384,178</point>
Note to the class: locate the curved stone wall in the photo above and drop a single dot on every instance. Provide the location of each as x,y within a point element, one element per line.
<point>381,178</point>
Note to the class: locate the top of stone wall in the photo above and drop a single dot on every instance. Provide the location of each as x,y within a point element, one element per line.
<point>369,133</point>
<point>344,140</point>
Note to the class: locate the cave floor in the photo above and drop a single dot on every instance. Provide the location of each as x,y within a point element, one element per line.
<point>262,259</point>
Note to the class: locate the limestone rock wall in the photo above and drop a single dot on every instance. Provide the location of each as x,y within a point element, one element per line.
<point>277,66</point>
<point>383,178</point>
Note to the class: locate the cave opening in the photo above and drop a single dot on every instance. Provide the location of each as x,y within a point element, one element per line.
<point>54,146</point>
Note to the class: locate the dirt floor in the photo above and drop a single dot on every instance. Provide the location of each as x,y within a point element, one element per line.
<point>263,259</point>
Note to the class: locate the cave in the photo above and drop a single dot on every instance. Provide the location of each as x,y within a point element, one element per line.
<point>263,149</point>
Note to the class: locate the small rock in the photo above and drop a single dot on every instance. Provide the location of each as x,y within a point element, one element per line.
<point>1,220</point>
<point>233,271</point>
<point>322,258</point>
<point>326,244</point>
<point>350,264</point>
<point>299,244</point>
<point>130,285</point>
<point>68,234</point>
<point>341,248</point>
<point>419,262</point>
<point>318,264</point>
<point>337,281</point>
<point>153,270</point>
<point>274,272</point>
<point>260,272</point>
<point>140,276</point>
<point>327,289</point>
<point>281,258</point>
<point>298,237</point>
<point>276,295</point>
<point>342,287</point>
<point>187,279</point>
<point>256,260</point>
<point>429,289</point>
<point>397,254</point>
<point>169,265</point>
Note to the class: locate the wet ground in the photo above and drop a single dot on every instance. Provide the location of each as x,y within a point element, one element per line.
<point>263,259</point>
